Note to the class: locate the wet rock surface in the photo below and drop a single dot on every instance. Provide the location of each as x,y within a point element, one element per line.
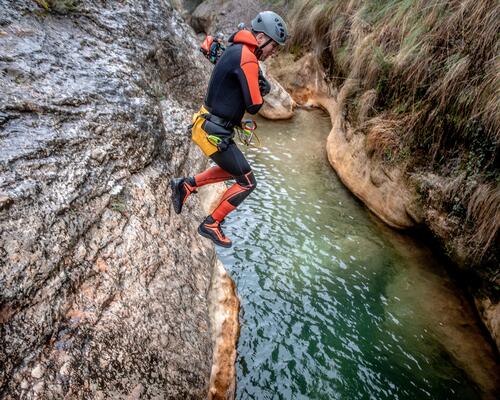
<point>103,288</point>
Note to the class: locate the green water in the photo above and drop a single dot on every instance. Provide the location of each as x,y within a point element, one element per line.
<point>334,305</point>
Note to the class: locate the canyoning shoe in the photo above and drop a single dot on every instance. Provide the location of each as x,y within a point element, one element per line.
<point>211,229</point>
<point>181,189</point>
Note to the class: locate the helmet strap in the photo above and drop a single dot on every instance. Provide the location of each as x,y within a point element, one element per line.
<point>258,51</point>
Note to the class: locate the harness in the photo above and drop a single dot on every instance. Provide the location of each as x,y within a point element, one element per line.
<point>225,123</point>
<point>211,140</point>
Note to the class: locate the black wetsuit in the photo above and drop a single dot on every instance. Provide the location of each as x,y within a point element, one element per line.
<point>232,90</point>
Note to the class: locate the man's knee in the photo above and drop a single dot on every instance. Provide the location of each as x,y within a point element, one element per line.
<point>247,181</point>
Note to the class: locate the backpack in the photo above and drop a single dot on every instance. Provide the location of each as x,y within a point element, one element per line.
<point>205,46</point>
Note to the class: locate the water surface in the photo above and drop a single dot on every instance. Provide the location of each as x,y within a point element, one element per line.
<point>334,305</point>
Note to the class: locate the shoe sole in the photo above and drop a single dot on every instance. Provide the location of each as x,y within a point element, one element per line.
<point>175,195</point>
<point>208,236</point>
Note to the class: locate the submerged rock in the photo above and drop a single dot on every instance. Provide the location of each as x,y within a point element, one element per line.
<point>103,287</point>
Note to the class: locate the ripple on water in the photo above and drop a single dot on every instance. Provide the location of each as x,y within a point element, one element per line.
<point>328,310</point>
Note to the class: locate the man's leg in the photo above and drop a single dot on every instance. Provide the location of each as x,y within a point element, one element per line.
<point>183,187</point>
<point>233,161</point>
<point>235,195</point>
<point>211,175</point>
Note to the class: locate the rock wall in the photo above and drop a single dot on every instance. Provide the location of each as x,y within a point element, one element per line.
<point>278,104</point>
<point>212,16</point>
<point>224,314</point>
<point>103,288</point>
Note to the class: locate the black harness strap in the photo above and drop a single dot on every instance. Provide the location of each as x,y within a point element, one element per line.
<point>219,121</point>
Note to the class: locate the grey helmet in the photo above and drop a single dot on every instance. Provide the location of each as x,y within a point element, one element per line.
<point>272,25</point>
<point>220,35</point>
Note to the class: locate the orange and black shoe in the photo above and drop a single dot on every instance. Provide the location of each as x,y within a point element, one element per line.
<point>211,229</point>
<point>181,189</point>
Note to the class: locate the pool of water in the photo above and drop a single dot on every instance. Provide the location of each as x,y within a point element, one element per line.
<point>334,305</point>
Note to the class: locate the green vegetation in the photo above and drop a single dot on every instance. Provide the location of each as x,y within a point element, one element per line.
<point>59,6</point>
<point>118,207</point>
<point>429,70</point>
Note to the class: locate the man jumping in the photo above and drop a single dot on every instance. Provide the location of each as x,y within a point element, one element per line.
<point>236,85</point>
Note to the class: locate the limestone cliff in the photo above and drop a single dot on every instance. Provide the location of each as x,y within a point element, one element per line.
<point>103,288</point>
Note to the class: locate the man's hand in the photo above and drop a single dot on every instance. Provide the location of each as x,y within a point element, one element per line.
<point>264,85</point>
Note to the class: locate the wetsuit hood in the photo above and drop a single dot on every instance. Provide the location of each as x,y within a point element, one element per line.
<point>244,37</point>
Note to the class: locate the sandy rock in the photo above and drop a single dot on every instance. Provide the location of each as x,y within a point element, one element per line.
<point>210,196</point>
<point>278,104</point>
<point>303,79</point>
<point>224,310</point>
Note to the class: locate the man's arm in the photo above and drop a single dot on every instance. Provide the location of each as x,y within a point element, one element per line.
<point>248,76</point>
<point>264,85</point>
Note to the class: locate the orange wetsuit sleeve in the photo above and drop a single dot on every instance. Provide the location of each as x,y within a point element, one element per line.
<point>249,81</point>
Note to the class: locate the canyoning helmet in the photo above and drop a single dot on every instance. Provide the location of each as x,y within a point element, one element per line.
<point>219,35</point>
<point>272,25</point>
<point>241,26</point>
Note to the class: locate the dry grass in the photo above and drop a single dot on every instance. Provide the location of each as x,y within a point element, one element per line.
<point>424,76</point>
<point>383,138</point>
<point>366,107</point>
<point>439,53</point>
